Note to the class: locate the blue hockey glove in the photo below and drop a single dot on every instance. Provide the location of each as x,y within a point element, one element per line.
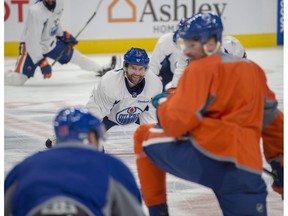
<point>67,38</point>
<point>277,169</point>
<point>160,98</point>
<point>45,68</point>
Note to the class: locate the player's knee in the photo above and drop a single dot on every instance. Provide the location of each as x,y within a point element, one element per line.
<point>139,137</point>
<point>67,55</point>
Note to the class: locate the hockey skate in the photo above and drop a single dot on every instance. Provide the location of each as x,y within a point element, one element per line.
<point>115,63</point>
<point>50,142</point>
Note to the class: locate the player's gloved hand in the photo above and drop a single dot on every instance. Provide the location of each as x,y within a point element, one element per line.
<point>277,169</point>
<point>67,38</point>
<point>45,68</point>
<point>159,98</point>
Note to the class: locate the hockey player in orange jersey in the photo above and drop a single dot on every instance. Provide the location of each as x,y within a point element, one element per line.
<point>210,129</point>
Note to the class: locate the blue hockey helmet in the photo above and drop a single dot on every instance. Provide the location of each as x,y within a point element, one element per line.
<point>75,124</point>
<point>136,56</point>
<point>181,24</point>
<point>202,26</point>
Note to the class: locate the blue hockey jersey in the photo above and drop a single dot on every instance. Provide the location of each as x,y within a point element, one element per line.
<point>99,182</point>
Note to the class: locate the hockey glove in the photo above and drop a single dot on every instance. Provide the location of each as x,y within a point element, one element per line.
<point>67,38</point>
<point>159,98</point>
<point>45,68</point>
<point>277,169</point>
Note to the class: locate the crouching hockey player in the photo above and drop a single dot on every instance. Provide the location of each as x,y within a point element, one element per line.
<point>74,178</point>
<point>123,96</point>
<point>209,129</point>
<point>43,38</point>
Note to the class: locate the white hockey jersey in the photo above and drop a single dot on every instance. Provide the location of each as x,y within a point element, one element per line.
<point>182,63</point>
<point>112,97</point>
<point>164,47</point>
<point>41,28</point>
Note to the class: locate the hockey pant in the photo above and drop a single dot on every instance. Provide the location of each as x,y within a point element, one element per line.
<point>238,192</point>
<point>73,56</point>
<point>27,67</point>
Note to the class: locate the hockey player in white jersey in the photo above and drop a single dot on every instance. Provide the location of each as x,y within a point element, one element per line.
<point>168,61</point>
<point>74,178</point>
<point>123,96</point>
<point>43,38</point>
<point>167,57</point>
<point>230,46</point>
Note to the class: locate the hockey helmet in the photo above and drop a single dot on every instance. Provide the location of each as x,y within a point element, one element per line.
<point>136,56</point>
<point>181,24</point>
<point>75,124</point>
<point>232,46</point>
<point>202,26</point>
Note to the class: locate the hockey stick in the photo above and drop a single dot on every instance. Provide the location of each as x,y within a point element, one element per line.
<point>273,175</point>
<point>93,15</point>
<point>275,178</point>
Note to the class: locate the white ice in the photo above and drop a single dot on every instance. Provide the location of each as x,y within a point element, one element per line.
<point>29,111</point>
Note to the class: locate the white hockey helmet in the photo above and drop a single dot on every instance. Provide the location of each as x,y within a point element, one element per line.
<point>232,46</point>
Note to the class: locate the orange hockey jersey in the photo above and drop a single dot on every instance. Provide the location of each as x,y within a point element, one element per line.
<point>220,101</point>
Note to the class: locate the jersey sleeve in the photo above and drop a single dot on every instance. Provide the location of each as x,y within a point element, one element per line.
<point>59,30</point>
<point>273,123</point>
<point>60,5</point>
<point>156,58</point>
<point>162,49</point>
<point>9,188</point>
<point>180,67</point>
<point>273,140</point>
<point>123,196</point>
<point>120,201</point>
<point>34,27</point>
<point>273,127</point>
<point>100,103</point>
<point>183,110</point>
<point>149,115</point>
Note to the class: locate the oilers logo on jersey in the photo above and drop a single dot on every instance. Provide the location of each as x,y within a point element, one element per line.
<point>54,27</point>
<point>128,115</point>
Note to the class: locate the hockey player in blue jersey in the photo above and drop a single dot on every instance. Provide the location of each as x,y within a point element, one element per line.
<point>74,178</point>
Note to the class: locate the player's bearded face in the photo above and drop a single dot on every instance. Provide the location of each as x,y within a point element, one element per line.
<point>193,49</point>
<point>50,4</point>
<point>135,73</point>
